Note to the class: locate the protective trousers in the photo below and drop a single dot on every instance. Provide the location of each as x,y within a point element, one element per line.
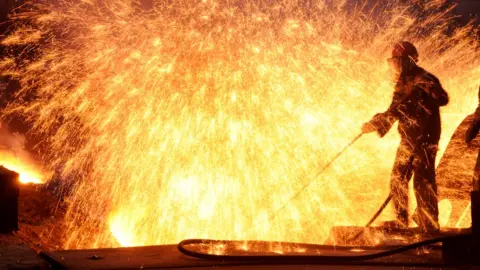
<point>419,161</point>
<point>476,174</point>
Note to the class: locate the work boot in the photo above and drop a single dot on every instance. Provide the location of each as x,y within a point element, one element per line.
<point>426,225</point>
<point>431,227</point>
<point>394,225</point>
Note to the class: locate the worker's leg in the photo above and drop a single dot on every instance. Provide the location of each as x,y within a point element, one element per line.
<point>476,174</point>
<point>401,173</point>
<point>426,187</point>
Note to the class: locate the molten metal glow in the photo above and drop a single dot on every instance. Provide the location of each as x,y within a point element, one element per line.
<point>201,118</point>
<point>27,170</point>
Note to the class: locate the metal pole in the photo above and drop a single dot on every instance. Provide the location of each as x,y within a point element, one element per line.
<point>323,169</point>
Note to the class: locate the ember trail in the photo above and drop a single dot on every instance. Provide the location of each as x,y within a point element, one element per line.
<point>194,120</point>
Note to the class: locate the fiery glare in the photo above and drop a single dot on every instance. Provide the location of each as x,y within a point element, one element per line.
<point>201,118</point>
<point>27,170</point>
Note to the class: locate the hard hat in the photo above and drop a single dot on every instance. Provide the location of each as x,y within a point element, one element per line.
<point>405,49</point>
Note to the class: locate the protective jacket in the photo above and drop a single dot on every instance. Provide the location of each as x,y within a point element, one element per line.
<point>416,105</point>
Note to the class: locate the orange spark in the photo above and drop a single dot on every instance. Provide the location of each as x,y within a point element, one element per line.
<point>202,118</point>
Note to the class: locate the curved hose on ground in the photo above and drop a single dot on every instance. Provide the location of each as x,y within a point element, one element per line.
<point>301,259</point>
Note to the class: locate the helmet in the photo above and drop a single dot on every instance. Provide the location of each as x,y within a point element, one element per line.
<point>404,49</point>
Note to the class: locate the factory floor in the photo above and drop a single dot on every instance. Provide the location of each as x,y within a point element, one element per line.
<point>40,216</point>
<point>16,254</point>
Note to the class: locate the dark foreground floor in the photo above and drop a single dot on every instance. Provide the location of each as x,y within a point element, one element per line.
<point>15,254</point>
<point>168,257</point>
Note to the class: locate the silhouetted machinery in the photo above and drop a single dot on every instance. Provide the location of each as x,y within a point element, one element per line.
<point>8,200</point>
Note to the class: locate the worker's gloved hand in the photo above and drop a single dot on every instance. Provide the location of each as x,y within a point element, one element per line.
<point>380,123</point>
<point>474,127</point>
<point>472,132</point>
<point>368,128</point>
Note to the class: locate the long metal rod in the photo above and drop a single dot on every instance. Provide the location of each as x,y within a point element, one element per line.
<point>404,174</point>
<point>317,174</point>
<point>330,163</point>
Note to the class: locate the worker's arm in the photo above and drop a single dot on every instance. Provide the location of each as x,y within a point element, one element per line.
<point>474,127</point>
<point>434,89</point>
<point>383,122</point>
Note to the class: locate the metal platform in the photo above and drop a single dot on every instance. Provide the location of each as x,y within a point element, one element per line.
<point>374,236</point>
<point>168,257</point>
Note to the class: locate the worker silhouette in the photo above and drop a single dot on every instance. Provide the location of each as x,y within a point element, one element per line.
<point>471,133</point>
<point>416,104</point>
